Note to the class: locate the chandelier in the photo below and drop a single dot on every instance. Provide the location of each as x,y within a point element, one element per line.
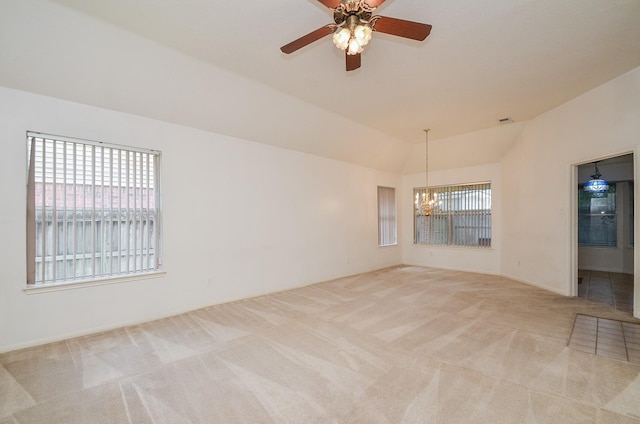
<point>426,204</point>
<point>596,186</point>
<point>356,21</point>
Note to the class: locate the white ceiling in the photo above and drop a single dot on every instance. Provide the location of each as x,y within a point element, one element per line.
<point>484,59</point>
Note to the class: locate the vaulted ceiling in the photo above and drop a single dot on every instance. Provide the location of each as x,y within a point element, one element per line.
<point>484,60</point>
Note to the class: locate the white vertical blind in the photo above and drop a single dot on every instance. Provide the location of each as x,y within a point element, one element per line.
<point>387,228</point>
<point>462,216</point>
<point>92,210</point>
<point>598,218</point>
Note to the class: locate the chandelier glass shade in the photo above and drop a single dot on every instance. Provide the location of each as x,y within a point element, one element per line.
<point>596,186</point>
<point>425,204</point>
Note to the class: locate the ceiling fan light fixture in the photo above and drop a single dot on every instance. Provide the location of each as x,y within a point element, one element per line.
<point>353,39</point>
<point>353,26</point>
<point>362,34</point>
<point>354,47</point>
<point>341,38</point>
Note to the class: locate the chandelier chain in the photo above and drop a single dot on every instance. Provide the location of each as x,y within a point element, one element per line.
<point>427,205</point>
<point>426,159</point>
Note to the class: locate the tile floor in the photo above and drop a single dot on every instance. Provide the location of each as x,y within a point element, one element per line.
<point>606,337</point>
<point>609,288</point>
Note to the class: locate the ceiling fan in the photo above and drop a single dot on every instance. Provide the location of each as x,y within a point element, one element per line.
<point>354,23</point>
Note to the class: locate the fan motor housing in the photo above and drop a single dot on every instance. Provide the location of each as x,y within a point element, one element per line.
<point>352,8</point>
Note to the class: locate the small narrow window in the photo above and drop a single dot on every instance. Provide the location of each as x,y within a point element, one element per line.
<point>93,210</point>
<point>387,229</point>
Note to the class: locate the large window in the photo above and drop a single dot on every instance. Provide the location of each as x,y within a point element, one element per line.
<point>462,216</point>
<point>387,228</point>
<point>93,210</point>
<point>597,219</point>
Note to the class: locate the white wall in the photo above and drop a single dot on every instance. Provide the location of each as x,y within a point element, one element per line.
<point>465,150</point>
<point>468,158</point>
<point>274,218</point>
<point>252,218</point>
<point>76,57</point>
<point>458,258</point>
<point>538,178</point>
<point>533,185</point>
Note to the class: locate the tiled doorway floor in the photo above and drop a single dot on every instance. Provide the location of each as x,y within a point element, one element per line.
<point>609,288</point>
<point>605,337</point>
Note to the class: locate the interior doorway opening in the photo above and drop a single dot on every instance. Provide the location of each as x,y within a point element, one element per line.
<point>605,233</point>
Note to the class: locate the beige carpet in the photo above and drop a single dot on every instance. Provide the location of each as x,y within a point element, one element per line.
<point>402,345</point>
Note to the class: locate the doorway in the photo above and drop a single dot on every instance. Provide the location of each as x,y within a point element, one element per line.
<point>605,233</point>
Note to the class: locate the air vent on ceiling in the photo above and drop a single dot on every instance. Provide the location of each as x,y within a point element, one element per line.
<point>506,120</point>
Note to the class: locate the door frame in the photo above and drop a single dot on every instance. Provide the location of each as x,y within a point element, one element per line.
<point>573,227</point>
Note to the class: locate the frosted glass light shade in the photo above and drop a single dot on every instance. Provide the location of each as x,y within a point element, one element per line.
<point>341,38</point>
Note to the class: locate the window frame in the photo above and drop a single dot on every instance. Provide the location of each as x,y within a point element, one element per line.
<point>608,217</point>
<point>387,216</point>
<point>63,182</point>
<point>440,228</point>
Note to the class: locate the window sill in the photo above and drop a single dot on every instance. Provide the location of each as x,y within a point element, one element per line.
<point>80,284</point>
<point>455,247</point>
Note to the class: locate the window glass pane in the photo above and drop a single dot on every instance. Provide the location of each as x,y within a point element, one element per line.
<point>387,228</point>
<point>461,217</point>
<point>597,221</point>
<point>92,210</point>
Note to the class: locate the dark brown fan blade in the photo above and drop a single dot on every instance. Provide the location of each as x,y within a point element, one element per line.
<point>331,4</point>
<point>307,39</point>
<point>353,61</point>
<point>402,28</point>
<point>374,3</point>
